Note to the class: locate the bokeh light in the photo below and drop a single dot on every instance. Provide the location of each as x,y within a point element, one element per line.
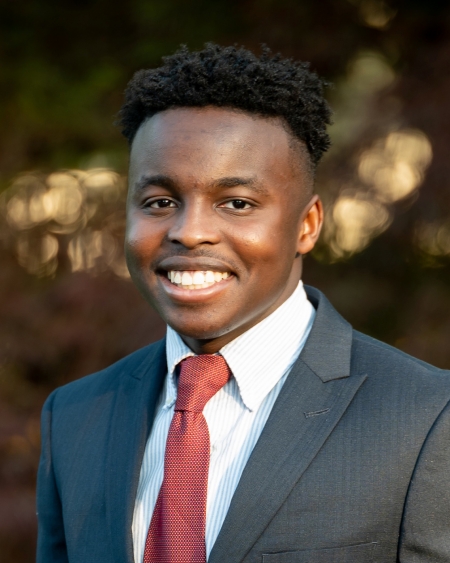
<point>357,220</point>
<point>394,166</point>
<point>390,170</point>
<point>79,208</point>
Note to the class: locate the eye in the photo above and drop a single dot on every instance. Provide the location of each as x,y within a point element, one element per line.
<point>236,204</point>
<point>162,204</point>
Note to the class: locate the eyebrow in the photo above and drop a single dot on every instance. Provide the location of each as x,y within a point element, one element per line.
<point>233,181</point>
<point>154,180</point>
<point>226,182</point>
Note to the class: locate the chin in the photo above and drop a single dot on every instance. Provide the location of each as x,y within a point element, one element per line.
<point>197,330</point>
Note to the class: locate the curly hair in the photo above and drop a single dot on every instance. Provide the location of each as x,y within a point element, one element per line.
<point>233,77</point>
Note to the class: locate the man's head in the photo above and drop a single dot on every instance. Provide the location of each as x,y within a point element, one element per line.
<point>223,146</point>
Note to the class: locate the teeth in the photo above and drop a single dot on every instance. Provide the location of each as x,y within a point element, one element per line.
<point>196,279</point>
<point>186,279</point>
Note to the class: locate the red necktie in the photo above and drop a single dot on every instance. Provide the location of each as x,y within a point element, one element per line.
<point>177,529</point>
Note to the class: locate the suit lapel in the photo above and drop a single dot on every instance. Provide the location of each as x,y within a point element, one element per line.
<point>131,421</point>
<point>316,394</point>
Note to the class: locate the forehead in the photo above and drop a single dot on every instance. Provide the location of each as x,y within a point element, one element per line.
<point>213,141</point>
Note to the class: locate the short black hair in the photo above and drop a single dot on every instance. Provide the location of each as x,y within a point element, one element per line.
<point>267,85</point>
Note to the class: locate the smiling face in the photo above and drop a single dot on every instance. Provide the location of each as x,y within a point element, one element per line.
<point>220,210</point>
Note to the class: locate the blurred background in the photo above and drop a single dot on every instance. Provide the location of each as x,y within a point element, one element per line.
<point>67,306</point>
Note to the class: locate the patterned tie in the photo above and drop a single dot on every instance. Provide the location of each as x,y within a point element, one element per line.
<point>177,530</point>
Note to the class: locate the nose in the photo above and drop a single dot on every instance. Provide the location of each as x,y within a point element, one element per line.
<point>194,225</point>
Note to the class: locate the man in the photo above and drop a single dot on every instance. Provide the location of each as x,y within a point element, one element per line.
<point>263,428</point>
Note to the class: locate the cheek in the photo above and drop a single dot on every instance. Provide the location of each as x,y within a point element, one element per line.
<point>265,243</point>
<point>141,244</point>
<point>140,231</point>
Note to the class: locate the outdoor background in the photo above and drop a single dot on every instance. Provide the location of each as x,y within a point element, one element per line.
<point>67,306</point>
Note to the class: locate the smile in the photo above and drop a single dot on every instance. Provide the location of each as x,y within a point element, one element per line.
<point>194,279</point>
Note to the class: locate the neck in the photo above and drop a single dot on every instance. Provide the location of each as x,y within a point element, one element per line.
<point>213,345</point>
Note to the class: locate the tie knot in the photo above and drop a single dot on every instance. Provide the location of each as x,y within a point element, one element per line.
<point>201,377</point>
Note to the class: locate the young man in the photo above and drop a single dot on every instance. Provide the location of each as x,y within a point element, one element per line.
<point>263,428</point>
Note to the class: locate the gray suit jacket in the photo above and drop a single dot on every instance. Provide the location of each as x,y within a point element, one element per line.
<point>353,464</point>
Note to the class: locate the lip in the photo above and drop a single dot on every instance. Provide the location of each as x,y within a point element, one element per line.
<point>194,295</point>
<point>192,264</point>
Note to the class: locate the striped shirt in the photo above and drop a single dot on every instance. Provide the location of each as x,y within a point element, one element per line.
<point>260,360</point>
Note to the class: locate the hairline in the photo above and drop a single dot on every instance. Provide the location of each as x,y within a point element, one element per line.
<point>296,144</point>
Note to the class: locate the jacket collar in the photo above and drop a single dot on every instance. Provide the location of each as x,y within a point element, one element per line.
<point>135,401</point>
<point>327,351</point>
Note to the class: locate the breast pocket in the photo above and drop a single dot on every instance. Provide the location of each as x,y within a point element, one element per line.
<point>361,553</point>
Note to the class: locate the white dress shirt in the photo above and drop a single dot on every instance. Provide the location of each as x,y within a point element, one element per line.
<point>260,360</point>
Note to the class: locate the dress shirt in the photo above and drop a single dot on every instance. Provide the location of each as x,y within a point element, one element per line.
<point>260,360</point>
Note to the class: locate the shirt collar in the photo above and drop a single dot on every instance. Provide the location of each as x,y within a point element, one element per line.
<point>259,357</point>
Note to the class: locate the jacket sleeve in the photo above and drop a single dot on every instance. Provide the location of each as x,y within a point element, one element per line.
<point>51,547</point>
<point>425,533</point>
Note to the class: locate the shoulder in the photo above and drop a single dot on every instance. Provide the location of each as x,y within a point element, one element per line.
<point>398,376</point>
<point>375,353</point>
<point>109,379</point>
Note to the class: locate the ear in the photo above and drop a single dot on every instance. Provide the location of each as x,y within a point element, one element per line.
<point>310,226</point>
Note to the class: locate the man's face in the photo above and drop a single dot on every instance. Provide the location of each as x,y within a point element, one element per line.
<point>219,212</point>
